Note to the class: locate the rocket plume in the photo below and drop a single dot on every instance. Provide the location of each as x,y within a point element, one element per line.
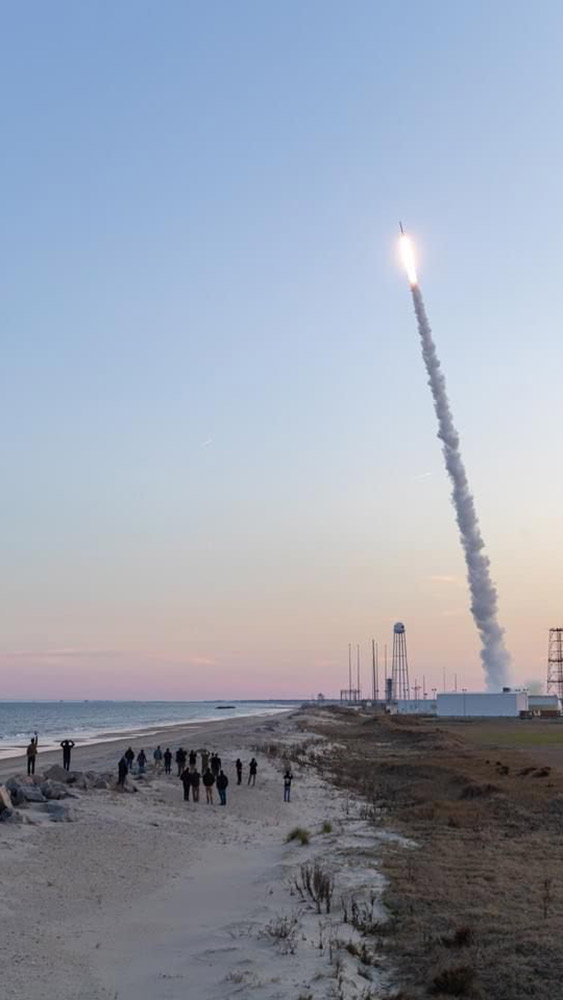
<point>496,659</point>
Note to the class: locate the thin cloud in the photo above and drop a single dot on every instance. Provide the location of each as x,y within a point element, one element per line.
<point>423,475</point>
<point>445,578</point>
<point>205,444</point>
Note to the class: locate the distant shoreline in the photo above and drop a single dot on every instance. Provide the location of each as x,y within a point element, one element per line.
<point>52,743</point>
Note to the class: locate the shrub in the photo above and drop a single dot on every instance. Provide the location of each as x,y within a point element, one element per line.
<point>326,827</point>
<point>317,884</point>
<point>457,981</point>
<point>298,833</point>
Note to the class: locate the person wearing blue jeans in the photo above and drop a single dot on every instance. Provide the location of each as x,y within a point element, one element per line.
<point>222,782</point>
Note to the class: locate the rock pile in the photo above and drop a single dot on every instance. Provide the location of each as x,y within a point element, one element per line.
<point>45,791</point>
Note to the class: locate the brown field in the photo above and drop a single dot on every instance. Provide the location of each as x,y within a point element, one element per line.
<point>476,909</point>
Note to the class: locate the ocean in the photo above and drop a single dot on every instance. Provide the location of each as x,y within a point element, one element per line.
<point>94,721</point>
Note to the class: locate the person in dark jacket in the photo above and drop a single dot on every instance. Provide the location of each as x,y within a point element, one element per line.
<point>287,779</point>
<point>122,771</point>
<point>196,777</point>
<point>253,768</point>
<point>192,758</point>
<point>238,766</point>
<point>129,757</point>
<point>222,783</point>
<point>187,783</point>
<point>209,781</point>
<point>141,761</point>
<point>167,761</point>
<point>67,746</point>
<point>215,764</point>
<point>32,754</point>
<point>181,757</point>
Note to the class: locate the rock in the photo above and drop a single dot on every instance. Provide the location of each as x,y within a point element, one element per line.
<point>77,778</point>
<point>32,793</point>
<point>16,792</point>
<point>60,813</point>
<point>11,816</point>
<point>57,773</point>
<point>5,799</point>
<point>56,790</point>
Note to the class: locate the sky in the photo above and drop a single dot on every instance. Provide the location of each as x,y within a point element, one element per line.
<point>219,451</point>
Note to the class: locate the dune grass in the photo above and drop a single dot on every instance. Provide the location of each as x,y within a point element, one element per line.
<point>298,833</point>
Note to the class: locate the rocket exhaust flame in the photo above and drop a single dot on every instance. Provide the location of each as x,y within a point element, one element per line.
<point>496,659</point>
<point>407,253</point>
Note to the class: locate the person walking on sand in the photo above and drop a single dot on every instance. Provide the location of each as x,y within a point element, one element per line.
<point>167,761</point>
<point>32,755</point>
<point>122,772</point>
<point>209,781</point>
<point>192,758</point>
<point>252,770</point>
<point>222,783</point>
<point>67,746</point>
<point>287,779</point>
<point>196,777</point>
<point>187,783</point>
<point>157,757</point>
<point>204,761</point>
<point>141,761</point>
<point>238,766</point>
<point>215,764</point>
<point>129,757</point>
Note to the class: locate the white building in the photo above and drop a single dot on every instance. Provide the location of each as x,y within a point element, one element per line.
<point>481,704</point>
<point>544,703</point>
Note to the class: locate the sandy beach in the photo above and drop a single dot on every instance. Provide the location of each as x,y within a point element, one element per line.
<point>146,897</point>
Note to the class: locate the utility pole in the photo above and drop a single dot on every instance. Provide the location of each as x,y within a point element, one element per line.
<point>358,671</point>
<point>350,671</point>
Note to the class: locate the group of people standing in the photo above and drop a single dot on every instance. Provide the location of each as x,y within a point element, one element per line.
<point>211,774</point>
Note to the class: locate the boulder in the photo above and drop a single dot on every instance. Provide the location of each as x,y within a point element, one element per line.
<point>57,773</point>
<point>56,790</point>
<point>16,791</point>
<point>77,778</point>
<point>60,813</point>
<point>5,800</point>
<point>10,816</point>
<point>32,793</point>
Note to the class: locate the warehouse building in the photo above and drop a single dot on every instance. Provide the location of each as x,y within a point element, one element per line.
<point>481,704</point>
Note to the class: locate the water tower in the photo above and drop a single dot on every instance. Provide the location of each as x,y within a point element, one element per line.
<point>555,662</point>
<point>400,664</point>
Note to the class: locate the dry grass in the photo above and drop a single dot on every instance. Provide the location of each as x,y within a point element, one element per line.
<point>299,833</point>
<point>477,907</point>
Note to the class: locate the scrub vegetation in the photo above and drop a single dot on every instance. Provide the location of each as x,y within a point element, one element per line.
<point>475,898</point>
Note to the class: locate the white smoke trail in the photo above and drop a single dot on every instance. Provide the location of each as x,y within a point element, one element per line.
<point>496,659</point>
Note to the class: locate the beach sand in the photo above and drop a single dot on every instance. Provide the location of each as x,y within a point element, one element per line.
<point>146,897</point>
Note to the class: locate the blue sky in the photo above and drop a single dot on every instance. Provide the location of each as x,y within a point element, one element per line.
<point>219,452</point>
